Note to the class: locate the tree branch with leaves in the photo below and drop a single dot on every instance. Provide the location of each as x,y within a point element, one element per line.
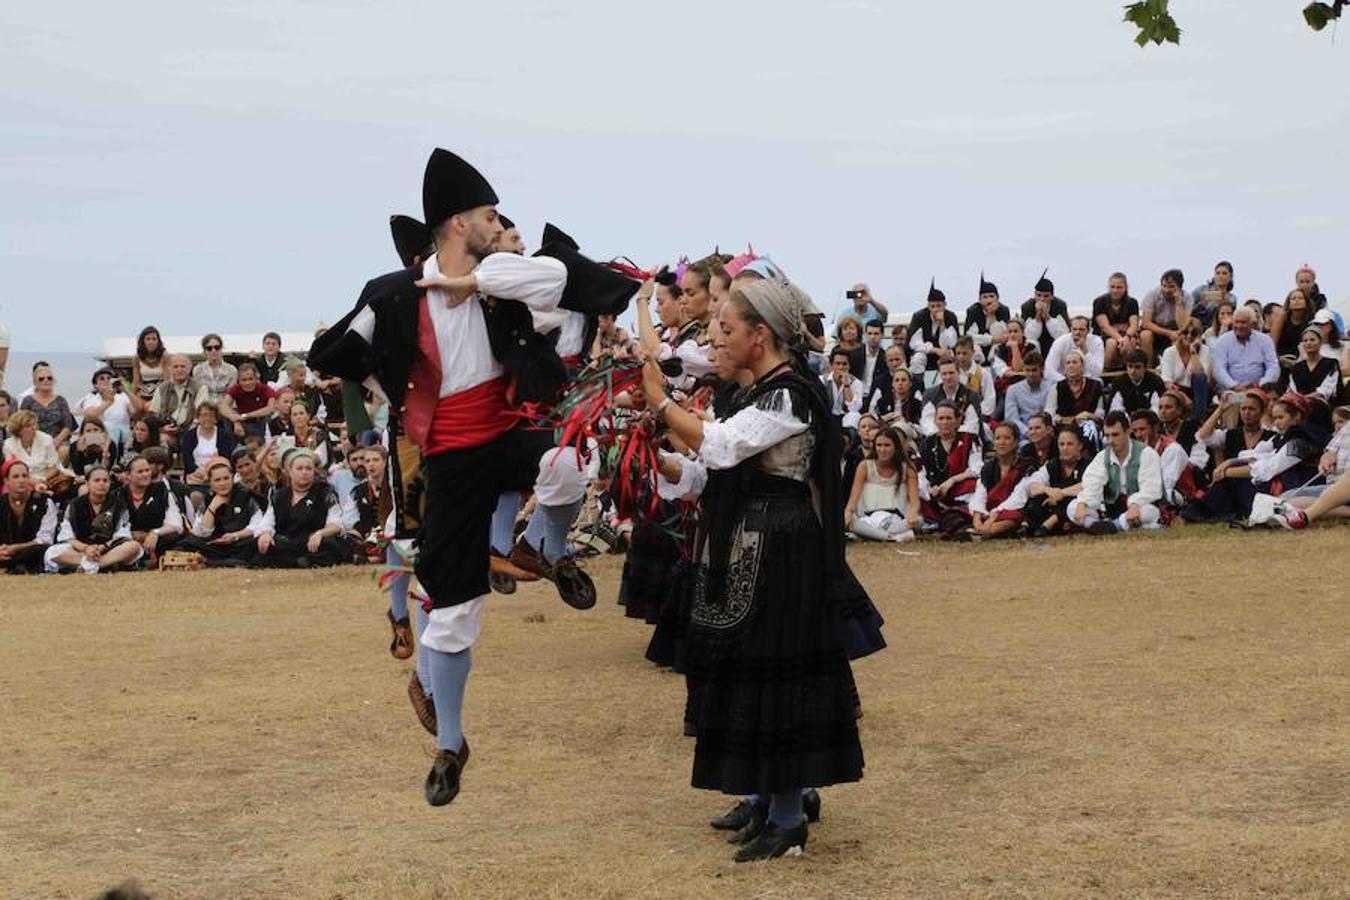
<point>1157,26</point>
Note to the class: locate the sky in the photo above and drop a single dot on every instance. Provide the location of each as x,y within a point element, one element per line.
<point>232,168</point>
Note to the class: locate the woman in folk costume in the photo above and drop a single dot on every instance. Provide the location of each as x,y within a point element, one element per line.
<point>949,470</point>
<point>452,345</point>
<point>770,578</point>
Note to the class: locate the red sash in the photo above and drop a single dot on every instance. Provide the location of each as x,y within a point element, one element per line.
<point>958,458</point>
<point>1003,490</point>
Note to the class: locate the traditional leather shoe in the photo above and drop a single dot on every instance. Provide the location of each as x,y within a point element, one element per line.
<point>529,560</point>
<point>401,647</point>
<point>759,814</point>
<point>774,842</point>
<point>574,586</point>
<point>502,583</point>
<point>423,706</point>
<point>811,804</point>
<point>735,818</point>
<point>498,564</point>
<point>443,780</point>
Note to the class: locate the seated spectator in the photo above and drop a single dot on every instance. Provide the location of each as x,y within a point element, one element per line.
<point>949,389</point>
<point>1080,339</point>
<point>1175,418</point>
<point>306,434</point>
<point>1008,362</point>
<point>1121,486</point>
<point>865,308</point>
<point>1287,329</point>
<point>176,400</point>
<point>996,506</point>
<point>302,526</point>
<point>848,338</point>
<point>28,523</point>
<point>331,409</point>
<point>298,374</point>
<point>950,468</point>
<point>37,451</point>
<point>1038,441</point>
<point>1138,388</point>
<point>844,390</point>
<point>892,361</point>
<point>370,497</point>
<point>92,448</point>
<point>1187,364</point>
<point>53,412</point>
<point>932,336</point>
<point>1030,395</point>
<point>144,435</point>
<point>873,355</point>
<point>1287,461</point>
<point>6,408</point>
<point>883,502</point>
<point>1179,477</point>
<point>1115,319</point>
<point>1333,344</point>
<point>858,446</point>
<point>1332,468</point>
<point>147,366</point>
<point>1231,443</point>
<point>204,441</point>
<point>159,459</point>
<point>899,403</point>
<point>1077,400</point>
<point>1166,309</point>
<point>248,403</point>
<point>975,376</point>
<point>95,534</point>
<point>153,514</point>
<point>1223,323</point>
<point>280,422</point>
<point>1051,488</point>
<point>1045,317</point>
<point>987,322</point>
<point>111,404</point>
<point>1271,314</point>
<point>1207,298</point>
<point>1244,358</point>
<point>271,365</point>
<point>1314,376</point>
<point>226,532</point>
<point>248,474</point>
<point>213,374</point>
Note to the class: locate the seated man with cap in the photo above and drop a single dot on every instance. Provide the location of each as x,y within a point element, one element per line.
<point>451,343</point>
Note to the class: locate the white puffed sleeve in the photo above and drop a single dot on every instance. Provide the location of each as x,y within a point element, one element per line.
<point>536,281</point>
<point>693,478</point>
<point>749,432</point>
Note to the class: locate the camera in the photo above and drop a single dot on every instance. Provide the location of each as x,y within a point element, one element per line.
<point>853,295</point>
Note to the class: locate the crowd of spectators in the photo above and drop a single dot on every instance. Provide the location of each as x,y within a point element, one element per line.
<point>1031,419</point>
<point>243,462</point>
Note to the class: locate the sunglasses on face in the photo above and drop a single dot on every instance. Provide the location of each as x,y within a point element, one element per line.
<point>213,346</point>
<point>46,378</point>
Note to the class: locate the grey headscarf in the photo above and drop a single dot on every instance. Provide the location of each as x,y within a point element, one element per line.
<point>777,305</point>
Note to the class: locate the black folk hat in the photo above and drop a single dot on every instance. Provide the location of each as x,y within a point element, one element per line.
<point>450,186</point>
<point>411,238</point>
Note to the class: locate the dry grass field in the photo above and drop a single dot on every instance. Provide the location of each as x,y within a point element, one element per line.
<point>1064,719</point>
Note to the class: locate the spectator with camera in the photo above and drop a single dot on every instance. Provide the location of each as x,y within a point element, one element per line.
<point>213,374</point>
<point>28,522</point>
<point>176,399</point>
<point>113,406</point>
<point>864,307</point>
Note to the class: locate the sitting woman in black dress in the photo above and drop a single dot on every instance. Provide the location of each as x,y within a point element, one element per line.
<point>95,535</point>
<point>1051,488</point>
<point>227,529</point>
<point>1315,376</point>
<point>303,523</point>
<point>776,697</point>
<point>27,522</point>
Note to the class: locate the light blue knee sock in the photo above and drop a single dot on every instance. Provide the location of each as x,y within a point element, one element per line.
<point>504,522</point>
<point>551,524</point>
<point>785,809</point>
<point>398,588</point>
<point>423,657</point>
<point>449,676</point>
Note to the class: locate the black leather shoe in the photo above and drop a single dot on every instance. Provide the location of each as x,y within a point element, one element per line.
<point>774,842</point>
<point>574,586</point>
<point>811,805</point>
<point>759,814</point>
<point>443,780</point>
<point>735,818</point>
<point>502,583</point>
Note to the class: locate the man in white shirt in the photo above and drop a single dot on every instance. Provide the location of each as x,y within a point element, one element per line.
<point>1122,486</point>
<point>1090,345</point>
<point>846,392</point>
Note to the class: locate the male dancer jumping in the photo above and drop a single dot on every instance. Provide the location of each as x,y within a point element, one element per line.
<point>451,344</point>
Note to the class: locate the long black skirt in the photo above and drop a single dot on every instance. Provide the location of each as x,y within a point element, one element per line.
<point>652,553</point>
<point>775,705</point>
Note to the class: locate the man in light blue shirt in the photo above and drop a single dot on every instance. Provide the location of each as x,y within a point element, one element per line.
<point>1028,396</point>
<point>1244,358</point>
<point>864,308</point>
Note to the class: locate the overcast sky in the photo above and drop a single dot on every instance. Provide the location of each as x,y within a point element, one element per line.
<point>233,168</point>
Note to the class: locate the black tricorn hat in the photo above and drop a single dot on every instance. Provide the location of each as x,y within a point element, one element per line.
<point>451,185</point>
<point>1045,285</point>
<point>411,238</point>
<point>987,287</point>
<point>507,224</point>
<point>592,288</point>
<point>555,235</point>
<point>934,294</point>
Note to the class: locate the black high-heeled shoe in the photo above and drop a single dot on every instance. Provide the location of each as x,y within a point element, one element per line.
<point>774,842</point>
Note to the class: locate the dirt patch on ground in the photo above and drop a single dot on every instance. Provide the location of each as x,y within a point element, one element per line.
<point>1062,719</point>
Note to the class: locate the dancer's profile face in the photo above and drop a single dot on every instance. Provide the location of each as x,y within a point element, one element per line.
<point>482,231</point>
<point>742,340</point>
